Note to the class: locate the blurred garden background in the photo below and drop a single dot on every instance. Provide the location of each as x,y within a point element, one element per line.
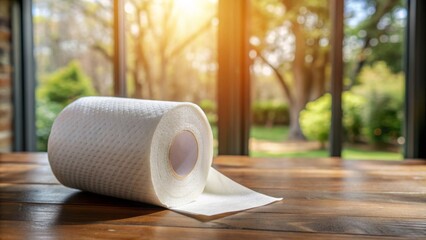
<point>172,55</point>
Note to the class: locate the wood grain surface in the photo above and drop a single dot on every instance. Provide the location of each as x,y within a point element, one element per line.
<point>324,198</point>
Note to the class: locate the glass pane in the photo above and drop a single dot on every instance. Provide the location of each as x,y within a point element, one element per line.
<point>172,53</point>
<point>72,47</point>
<point>290,72</point>
<point>374,79</point>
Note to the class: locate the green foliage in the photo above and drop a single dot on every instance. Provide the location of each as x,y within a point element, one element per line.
<point>383,114</point>
<point>55,92</point>
<point>347,153</point>
<point>384,118</point>
<point>391,53</point>
<point>352,116</point>
<point>65,85</point>
<point>46,113</point>
<point>372,111</point>
<point>209,108</point>
<point>266,113</point>
<point>315,118</point>
<point>384,26</point>
<point>270,113</point>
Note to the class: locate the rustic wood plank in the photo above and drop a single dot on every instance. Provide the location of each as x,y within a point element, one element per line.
<point>42,214</point>
<point>296,202</point>
<point>26,173</point>
<point>324,198</point>
<point>32,158</point>
<point>110,231</point>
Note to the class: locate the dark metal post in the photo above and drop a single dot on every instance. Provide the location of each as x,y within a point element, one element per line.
<point>415,96</point>
<point>24,129</point>
<point>233,77</point>
<point>336,133</point>
<point>119,50</point>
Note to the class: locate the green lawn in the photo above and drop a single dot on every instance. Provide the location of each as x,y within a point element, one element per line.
<point>348,153</point>
<point>273,134</point>
<point>280,134</point>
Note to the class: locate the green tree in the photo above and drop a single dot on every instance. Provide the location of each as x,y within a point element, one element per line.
<point>65,85</point>
<point>303,25</point>
<point>377,37</point>
<point>384,91</point>
<point>315,118</point>
<point>46,113</point>
<point>371,110</point>
<point>56,44</point>
<point>158,35</point>
<point>55,92</point>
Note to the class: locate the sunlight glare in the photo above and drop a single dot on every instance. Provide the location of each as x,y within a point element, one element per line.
<point>190,7</point>
<point>192,14</point>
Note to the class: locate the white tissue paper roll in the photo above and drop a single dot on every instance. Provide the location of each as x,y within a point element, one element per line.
<point>150,151</point>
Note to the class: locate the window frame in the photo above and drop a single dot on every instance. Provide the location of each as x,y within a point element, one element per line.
<point>233,76</point>
<point>23,87</point>
<point>415,75</point>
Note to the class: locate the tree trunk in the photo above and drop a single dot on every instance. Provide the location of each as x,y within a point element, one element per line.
<point>318,73</point>
<point>301,84</point>
<point>142,61</point>
<point>147,71</point>
<point>360,61</point>
<point>295,132</point>
<point>136,78</point>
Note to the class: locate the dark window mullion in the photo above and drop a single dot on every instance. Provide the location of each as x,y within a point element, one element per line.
<point>337,20</point>
<point>24,128</point>
<point>415,97</point>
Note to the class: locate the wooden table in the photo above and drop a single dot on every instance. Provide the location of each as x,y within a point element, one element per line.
<point>323,198</point>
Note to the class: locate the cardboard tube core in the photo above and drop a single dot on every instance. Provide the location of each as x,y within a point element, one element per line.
<point>183,153</point>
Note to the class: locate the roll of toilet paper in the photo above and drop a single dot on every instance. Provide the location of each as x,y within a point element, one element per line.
<point>150,151</point>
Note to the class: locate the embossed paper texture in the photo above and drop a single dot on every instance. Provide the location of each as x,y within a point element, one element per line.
<point>121,147</point>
